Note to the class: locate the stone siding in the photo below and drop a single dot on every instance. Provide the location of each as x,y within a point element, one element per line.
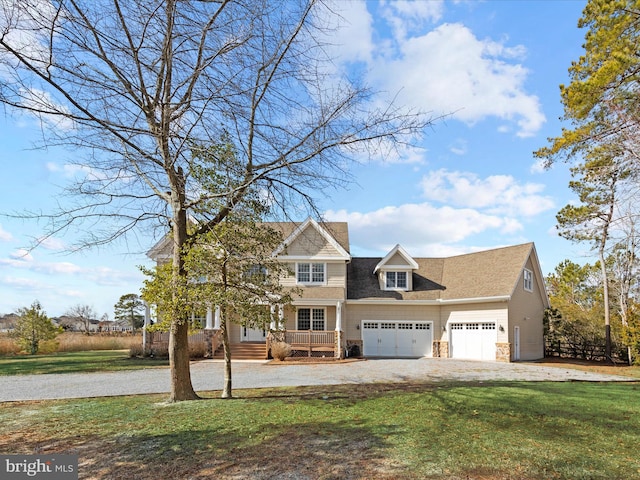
<point>503,352</point>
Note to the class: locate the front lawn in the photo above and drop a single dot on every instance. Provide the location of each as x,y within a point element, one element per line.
<point>379,431</point>
<point>75,362</point>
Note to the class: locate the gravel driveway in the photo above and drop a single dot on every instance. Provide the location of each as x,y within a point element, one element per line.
<point>208,375</point>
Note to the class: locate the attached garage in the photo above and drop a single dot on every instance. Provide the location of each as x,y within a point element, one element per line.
<point>397,338</point>
<point>473,340</point>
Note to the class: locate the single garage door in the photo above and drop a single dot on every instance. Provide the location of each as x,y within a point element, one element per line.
<point>397,338</point>
<point>473,341</point>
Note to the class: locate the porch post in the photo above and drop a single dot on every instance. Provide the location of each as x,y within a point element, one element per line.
<point>272,325</point>
<point>280,317</point>
<point>216,321</point>
<point>209,325</point>
<point>147,322</point>
<point>338,334</point>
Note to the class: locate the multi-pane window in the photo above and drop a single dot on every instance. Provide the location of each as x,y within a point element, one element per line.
<point>311,319</point>
<point>527,278</point>
<point>310,272</point>
<point>256,274</point>
<point>397,280</point>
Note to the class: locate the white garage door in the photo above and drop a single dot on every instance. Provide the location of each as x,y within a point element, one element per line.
<point>397,338</point>
<point>473,341</point>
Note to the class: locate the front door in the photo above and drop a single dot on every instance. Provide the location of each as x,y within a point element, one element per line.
<point>253,334</point>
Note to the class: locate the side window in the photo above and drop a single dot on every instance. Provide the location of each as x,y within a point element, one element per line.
<point>527,280</point>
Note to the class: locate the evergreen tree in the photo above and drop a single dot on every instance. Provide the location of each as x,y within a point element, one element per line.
<point>130,308</point>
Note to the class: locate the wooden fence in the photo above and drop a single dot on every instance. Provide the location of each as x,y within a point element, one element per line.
<point>583,351</point>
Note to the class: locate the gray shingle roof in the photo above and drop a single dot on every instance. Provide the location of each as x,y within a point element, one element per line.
<point>484,274</point>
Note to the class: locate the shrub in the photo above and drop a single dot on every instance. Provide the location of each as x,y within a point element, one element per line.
<point>197,350</point>
<point>280,350</point>
<point>135,351</point>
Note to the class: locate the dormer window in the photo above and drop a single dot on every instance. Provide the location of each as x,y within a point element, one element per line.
<point>395,270</point>
<point>396,281</point>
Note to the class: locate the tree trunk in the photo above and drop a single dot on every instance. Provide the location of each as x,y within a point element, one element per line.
<point>607,316</point>
<point>226,391</point>
<point>181,387</point>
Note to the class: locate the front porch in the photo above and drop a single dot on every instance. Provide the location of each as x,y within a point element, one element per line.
<point>304,343</point>
<point>308,343</point>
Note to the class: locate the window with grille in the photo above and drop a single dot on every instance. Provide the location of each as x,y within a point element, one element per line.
<point>310,273</point>
<point>311,319</point>
<point>396,280</point>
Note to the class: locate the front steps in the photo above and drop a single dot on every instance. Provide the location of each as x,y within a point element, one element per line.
<point>244,351</point>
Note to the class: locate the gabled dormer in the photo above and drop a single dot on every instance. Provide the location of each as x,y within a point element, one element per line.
<point>315,255</point>
<point>395,271</point>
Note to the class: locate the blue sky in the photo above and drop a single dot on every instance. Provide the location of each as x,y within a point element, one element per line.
<point>494,67</point>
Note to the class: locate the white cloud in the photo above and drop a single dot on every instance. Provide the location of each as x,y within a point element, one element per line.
<point>21,283</point>
<point>459,147</point>
<point>460,206</point>
<point>495,194</point>
<point>538,167</point>
<point>21,255</point>
<point>420,228</point>
<point>444,70</point>
<point>449,70</point>
<point>23,260</point>
<point>51,243</point>
<point>4,235</point>
<point>350,27</point>
<point>388,152</point>
<point>408,16</point>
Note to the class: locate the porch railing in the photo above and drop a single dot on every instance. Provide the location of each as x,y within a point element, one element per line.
<point>307,342</point>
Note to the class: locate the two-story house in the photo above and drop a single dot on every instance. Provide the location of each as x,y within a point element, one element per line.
<point>487,305</point>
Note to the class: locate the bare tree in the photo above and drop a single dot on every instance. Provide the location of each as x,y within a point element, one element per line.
<point>82,315</point>
<point>138,88</point>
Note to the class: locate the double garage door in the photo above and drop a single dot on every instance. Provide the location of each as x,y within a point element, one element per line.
<point>397,338</point>
<point>473,341</point>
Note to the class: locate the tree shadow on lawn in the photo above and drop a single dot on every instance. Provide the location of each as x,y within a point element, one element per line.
<point>297,451</point>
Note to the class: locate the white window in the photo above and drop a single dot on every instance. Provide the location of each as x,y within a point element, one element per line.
<point>310,273</point>
<point>396,280</point>
<point>311,319</point>
<point>527,278</point>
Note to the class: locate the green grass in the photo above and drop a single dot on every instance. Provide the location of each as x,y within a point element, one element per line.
<point>75,362</point>
<point>381,431</point>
